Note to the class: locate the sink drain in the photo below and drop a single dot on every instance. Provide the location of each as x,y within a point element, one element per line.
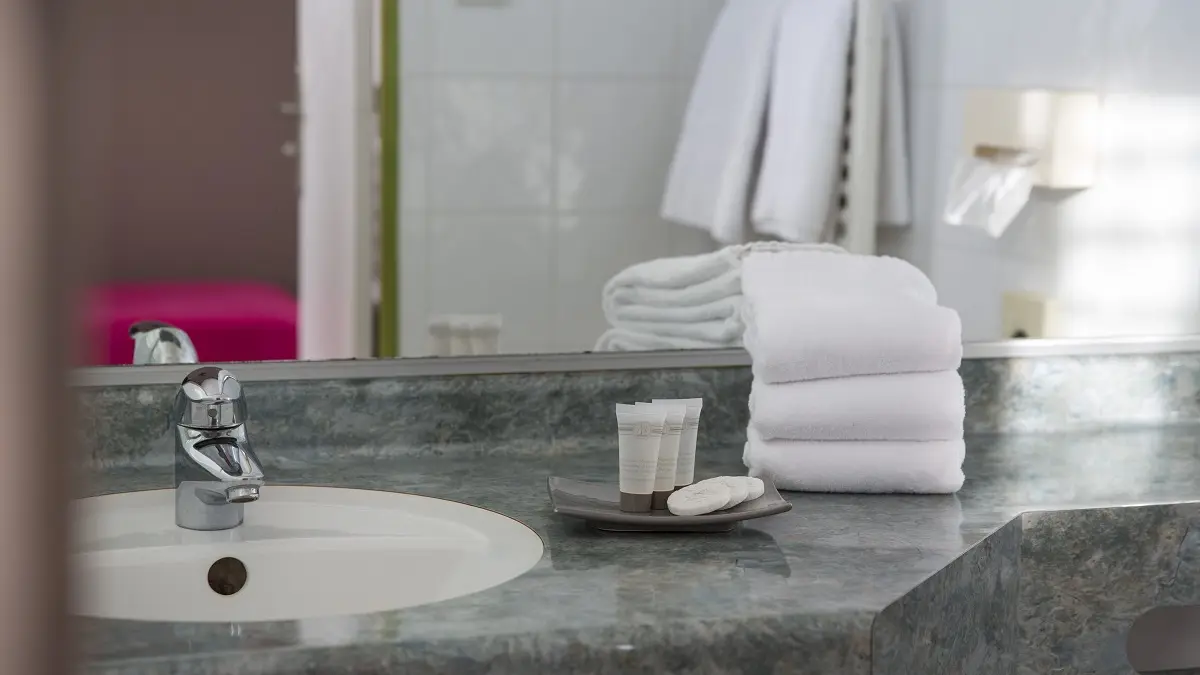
<point>227,576</point>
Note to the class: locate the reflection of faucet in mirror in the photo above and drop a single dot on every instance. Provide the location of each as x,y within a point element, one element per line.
<point>216,470</point>
<point>157,342</point>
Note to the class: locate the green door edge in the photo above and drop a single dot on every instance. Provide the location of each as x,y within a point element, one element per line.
<point>387,343</point>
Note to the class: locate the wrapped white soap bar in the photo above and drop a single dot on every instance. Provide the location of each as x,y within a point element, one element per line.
<point>738,489</point>
<point>698,499</point>
<point>757,488</point>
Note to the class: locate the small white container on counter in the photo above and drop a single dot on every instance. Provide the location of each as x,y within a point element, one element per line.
<point>485,334</point>
<point>465,334</point>
<point>439,336</point>
<point>639,434</point>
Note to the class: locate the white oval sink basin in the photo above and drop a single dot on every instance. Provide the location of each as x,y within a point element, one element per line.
<point>307,552</point>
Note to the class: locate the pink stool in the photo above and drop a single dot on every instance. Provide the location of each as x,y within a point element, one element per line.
<point>236,321</point>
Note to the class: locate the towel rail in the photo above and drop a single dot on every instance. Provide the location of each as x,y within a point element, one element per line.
<point>859,215</point>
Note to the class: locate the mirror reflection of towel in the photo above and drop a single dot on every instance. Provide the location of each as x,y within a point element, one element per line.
<point>763,132</point>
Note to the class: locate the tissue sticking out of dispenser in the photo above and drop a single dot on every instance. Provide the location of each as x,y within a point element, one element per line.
<point>990,188</point>
<point>1018,140</point>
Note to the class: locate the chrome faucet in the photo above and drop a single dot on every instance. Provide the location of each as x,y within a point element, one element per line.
<point>159,342</point>
<point>216,470</point>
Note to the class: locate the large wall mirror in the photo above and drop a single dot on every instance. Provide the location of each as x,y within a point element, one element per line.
<point>307,179</point>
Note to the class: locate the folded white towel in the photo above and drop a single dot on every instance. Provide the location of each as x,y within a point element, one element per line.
<point>804,338</point>
<point>728,308</point>
<point>676,273</point>
<point>931,467</point>
<point>800,175</point>
<point>707,282</point>
<point>626,340</point>
<point>616,297</point>
<point>712,175</point>
<point>819,272</point>
<point>726,332</point>
<point>905,407</point>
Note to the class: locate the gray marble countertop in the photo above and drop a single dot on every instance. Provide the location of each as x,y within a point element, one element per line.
<point>798,588</point>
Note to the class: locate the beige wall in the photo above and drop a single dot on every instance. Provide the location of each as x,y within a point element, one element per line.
<point>172,136</point>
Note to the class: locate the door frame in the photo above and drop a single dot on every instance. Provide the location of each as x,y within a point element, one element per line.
<point>337,164</point>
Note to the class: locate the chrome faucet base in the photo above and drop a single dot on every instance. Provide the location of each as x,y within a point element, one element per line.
<point>216,470</point>
<point>197,507</point>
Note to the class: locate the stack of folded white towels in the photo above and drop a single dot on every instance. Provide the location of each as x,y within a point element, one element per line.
<point>855,375</point>
<point>687,302</point>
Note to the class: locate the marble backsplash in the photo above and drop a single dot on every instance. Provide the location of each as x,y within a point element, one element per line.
<point>549,413</point>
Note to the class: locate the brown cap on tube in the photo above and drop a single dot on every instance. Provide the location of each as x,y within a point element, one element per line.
<point>659,502</point>
<point>635,503</point>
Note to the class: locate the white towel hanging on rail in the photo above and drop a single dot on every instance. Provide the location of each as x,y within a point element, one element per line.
<point>712,175</point>
<point>734,153</point>
<point>800,175</point>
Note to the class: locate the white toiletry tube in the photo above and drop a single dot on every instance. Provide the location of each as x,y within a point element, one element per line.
<point>439,336</point>
<point>685,463</point>
<point>639,434</point>
<point>460,336</point>
<point>668,451</point>
<point>485,334</point>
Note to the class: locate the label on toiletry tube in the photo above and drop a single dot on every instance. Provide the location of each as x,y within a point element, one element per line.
<point>639,434</point>
<point>668,448</point>
<point>638,465</point>
<point>685,460</point>
<point>640,429</point>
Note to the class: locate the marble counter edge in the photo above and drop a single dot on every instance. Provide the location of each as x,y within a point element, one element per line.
<point>722,643</point>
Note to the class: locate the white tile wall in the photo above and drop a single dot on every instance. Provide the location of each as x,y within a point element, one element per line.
<point>414,279</point>
<point>1153,46</point>
<point>494,264</point>
<point>694,20</point>
<point>537,134</point>
<point>415,47</point>
<point>1122,257</point>
<point>599,126</point>
<point>513,37</point>
<point>980,38</point>
<point>489,144</point>
<point>930,149</point>
<point>1059,43</point>
<point>974,290</point>
<point>414,143</point>
<point>591,247</point>
<point>616,37</point>
<point>921,22</point>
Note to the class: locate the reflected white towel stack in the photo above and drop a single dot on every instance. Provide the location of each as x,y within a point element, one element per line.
<point>855,384</point>
<point>688,302</point>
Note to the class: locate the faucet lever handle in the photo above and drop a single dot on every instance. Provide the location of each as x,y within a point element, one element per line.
<point>209,398</point>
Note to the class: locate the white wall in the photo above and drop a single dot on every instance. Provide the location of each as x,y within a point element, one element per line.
<point>1122,257</point>
<point>335,178</point>
<point>537,134</point>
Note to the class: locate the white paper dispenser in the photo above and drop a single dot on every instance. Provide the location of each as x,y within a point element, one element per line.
<point>1015,140</point>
